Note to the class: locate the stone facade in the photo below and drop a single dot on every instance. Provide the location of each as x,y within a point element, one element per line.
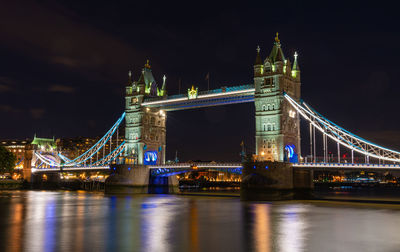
<point>277,123</point>
<point>145,127</point>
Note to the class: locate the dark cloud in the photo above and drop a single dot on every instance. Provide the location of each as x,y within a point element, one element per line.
<point>61,89</point>
<point>37,113</point>
<point>59,37</point>
<point>9,109</point>
<point>7,84</point>
<point>5,88</point>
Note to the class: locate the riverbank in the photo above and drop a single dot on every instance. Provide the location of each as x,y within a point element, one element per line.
<point>10,184</point>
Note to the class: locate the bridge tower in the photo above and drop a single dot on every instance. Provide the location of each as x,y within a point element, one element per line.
<point>277,124</point>
<point>145,130</point>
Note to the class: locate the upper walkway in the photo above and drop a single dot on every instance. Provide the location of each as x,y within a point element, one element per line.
<point>215,97</point>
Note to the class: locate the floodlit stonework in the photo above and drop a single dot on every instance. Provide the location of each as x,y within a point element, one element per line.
<point>277,123</point>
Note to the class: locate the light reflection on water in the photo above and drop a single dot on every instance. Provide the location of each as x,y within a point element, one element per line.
<point>78,221</point>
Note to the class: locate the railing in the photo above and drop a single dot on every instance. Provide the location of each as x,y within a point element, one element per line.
<point>198,165</point>
<point>347,165</point>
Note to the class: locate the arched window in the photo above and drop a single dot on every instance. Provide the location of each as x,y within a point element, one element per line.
<point>273,107</point>
<point>264,108</point>
<point>264,127</point>
<point>269,127</point>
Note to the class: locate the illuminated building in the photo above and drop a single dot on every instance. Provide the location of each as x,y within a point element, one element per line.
<point>145,130</point>
<point>17,147</point>
<point>277,123</point>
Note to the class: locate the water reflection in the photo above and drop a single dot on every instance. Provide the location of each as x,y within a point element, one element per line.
<point>262,233</point>
<point>75,221</point>
<point>158,218</point>
<point>35,221</point>
<point>292,228</point>
<point>15,233</point>
<point>193,226</point>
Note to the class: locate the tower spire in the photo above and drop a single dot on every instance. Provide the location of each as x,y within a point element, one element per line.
<point>296,68</point>
<point>276,54</point>
<point>164,82</point>
<point>258,57</point>
<point>295,63</point>
<point>129,77</point>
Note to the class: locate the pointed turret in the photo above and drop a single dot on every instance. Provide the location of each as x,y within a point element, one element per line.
<point>258,57</point>
<point>162,91</point>
<point>164,82</point>
<point>296,68</point>
<point>276,56</point>
<point>258,66</point>
<point>296,64</point>
<point>141,84</point>
<point>129,77</point>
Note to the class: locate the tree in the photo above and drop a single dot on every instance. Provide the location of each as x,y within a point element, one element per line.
<point>7,160</point>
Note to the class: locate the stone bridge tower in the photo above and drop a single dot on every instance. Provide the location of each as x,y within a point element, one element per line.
<point>145,131</point>
<point>277,123</point>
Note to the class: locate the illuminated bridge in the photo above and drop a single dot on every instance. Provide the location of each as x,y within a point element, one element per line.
<point>275,92</point>
<point>57,161</point>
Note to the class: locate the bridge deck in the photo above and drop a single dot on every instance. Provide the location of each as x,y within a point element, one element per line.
<point>235,167</point>
<point>69,169</point>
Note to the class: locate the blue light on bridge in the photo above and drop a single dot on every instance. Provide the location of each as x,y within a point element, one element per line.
<point>266,167</point>
<point>150,157</point>
<point>290,154</point>
<point>129,168</point>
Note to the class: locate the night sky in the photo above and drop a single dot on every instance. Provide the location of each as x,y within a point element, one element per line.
<point>64,65</point>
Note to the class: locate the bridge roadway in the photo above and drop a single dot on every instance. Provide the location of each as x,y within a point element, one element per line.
<point>68,169</point>
<point>171,169</point>
<point>163,170</point>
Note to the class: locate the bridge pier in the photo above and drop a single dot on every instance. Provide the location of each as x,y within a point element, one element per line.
<point>48,180</point>
<point>266,180</point>
<point>137,179</point>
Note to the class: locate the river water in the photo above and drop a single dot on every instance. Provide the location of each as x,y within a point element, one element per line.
<point>82,221</point>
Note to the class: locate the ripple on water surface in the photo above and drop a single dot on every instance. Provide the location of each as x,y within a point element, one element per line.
<point>80,221</point>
